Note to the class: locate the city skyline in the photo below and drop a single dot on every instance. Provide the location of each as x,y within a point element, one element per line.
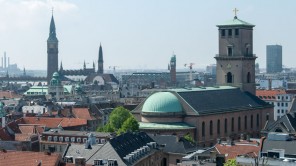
<point>135,34</point>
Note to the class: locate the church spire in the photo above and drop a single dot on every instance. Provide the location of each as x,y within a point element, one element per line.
<point>100,61</point>
<point>84,65</point>
<point>52,30</point>
<point>61,66</point>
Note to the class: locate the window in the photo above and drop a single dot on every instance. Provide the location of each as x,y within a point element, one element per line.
<point>236,32</point>
<point>278,104</point>
<point>229,78</point>
<point>177,161</point>
<point>103,141</point>
<point>246,122</point>
<point>222,32</point>
<point>282,104</point>
<point>203,129</point>
<point>225,125</point>
<point>79,140</point>
<point>72,139</point>
<point>66,139</point>
<point>61,139</point>
<point>279,97</point>
<point>49,138</point>
<point>282,111</point>
<point>55,138</point>
<point>211,127</point>
<point>239,123</point>
<point>229,32</point>
<point>229,51</point>
<point>257,121</point>
<point>267,116</point>
<point>251,121</point>
<point>287,97</point>
<point>84,140</point>
<point>286,104</point>
<point>232,124</point>
<point>248,77</point>
<point>218,126</point>
<point>278,111</point>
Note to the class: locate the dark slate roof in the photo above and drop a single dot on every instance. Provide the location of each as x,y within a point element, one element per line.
<point>173,144</point>
<point>106,77</point>
<point>287,122</point>
<point>289,146</point>
<point>221,100</point>
<point>79,150</point>
<point>120,146</point>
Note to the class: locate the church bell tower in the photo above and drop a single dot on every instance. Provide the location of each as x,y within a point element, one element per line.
<point>52,51</point>
<point>236,61</point>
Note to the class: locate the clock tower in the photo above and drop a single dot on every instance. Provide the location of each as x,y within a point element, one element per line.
<point>236,61</point>
<point>52,51</point>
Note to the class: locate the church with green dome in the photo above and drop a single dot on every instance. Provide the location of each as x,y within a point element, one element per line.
<point>228,110</point>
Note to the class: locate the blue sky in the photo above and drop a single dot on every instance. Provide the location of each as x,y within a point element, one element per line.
<point>139,34</point>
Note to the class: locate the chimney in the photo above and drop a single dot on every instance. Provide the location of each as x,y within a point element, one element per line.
<point>8,62</point>
<point>269,84</point>
<point>3,122</point>
<point>4,60</point>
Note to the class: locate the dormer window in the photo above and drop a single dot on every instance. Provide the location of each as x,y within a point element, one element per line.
<point>49,138</point>
<point>61,139</point>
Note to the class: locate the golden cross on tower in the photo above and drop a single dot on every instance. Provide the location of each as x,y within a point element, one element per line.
<point>235,12</point>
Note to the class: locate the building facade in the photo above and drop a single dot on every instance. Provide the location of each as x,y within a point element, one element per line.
<point>274,58</point>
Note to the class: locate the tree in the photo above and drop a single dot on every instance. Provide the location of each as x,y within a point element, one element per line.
<point>230,162</point>
<point>189,138</point>
<point>130,124</point>
<point>120,120</point>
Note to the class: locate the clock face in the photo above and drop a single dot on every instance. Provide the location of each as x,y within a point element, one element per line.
<point>228,66</point>
<point>51,45</point>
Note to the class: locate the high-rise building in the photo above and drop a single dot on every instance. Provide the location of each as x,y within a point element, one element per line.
<point>52,51</point>
<point>274,58</point>
<point>173,69</point>
<point>236,61</point>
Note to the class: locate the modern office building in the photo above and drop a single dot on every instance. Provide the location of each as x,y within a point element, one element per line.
<point>274,58</point>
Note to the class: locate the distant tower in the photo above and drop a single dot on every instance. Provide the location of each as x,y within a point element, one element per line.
<point>4,60</point>
<point>61,67</point>
<point>173,69</point>
<point>236,61</point>
<point>52,51</point>
<point>24,72</point>
<point>100,61</point>
<point>84,65</point>
<point>274,59</point>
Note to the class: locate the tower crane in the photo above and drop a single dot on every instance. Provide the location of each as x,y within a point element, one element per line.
<point>190,68</point>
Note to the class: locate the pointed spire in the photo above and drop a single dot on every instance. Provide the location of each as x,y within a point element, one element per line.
<point>100,54</point>
<point>84,65</point>
<point>24,71</point>
<point>61,66</point>
<point>52,29</point>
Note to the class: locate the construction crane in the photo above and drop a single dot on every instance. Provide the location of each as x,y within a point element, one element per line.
<point>114,68</point>
<point>190,67</point>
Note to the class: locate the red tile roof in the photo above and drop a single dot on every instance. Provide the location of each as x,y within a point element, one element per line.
<point>240,148</point>
<point>26,158</point>
<point>269,94</point>
<point>9,94</point>
<point>82,113</point>
<point>54,122</point>
<point>23,137</point>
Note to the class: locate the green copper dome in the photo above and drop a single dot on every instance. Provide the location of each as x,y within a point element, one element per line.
<point>162,102</point>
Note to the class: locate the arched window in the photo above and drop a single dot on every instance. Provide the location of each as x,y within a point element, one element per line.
<point>232,124</point>
<point>211,127</point>
<point>248,77</point>
<point>218,126</point>
<point>251,121</point>
<point>225,125</point>
<point>246,122</point>
<point>229,77</point>
<point>239,123</point>
<point>203,129</point>
<point>257,121</point>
